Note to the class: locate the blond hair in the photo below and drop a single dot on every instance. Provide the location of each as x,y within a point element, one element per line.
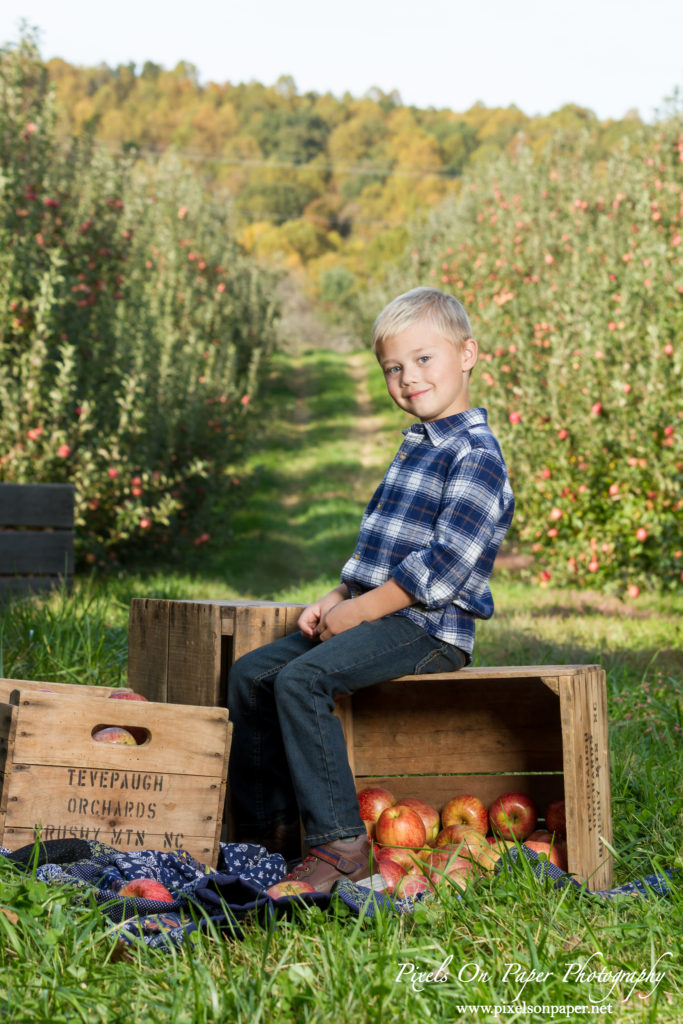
<point>442,311</point>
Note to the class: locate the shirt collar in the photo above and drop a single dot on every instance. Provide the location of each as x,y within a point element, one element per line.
<point>440,430</point>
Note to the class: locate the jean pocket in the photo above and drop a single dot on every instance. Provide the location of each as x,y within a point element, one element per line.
<point>444,658</point>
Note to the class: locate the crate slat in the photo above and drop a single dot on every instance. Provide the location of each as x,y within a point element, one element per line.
<point>105,802</point>
<point>148,648</point>
<point>48,552</point>
<point>457,724</point>
<point>182,741</point>
<point>26,586</point>
<point>256,626</point>
<point>37,505</point>
<point>194,648</point>
<point>11,688</point>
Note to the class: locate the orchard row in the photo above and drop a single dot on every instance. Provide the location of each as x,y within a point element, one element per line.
<point>132,328</point>
<point>572,278</point>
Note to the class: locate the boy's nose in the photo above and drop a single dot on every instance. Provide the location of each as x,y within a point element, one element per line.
<point>409,375</point>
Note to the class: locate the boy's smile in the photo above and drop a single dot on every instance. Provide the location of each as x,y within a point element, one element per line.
<point>426,374</point>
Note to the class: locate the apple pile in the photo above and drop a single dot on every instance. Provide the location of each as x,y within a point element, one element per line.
<point>117,733</point>
<point>416,848</point>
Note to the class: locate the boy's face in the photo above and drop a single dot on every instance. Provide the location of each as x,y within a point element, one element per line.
<point>427,375</point>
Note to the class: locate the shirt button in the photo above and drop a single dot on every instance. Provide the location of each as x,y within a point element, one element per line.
<point>402,456</point>
<point>356,556</point>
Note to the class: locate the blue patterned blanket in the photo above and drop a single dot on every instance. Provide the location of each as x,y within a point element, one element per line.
<point>234,894</point>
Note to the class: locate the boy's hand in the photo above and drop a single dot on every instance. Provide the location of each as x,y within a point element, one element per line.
<point>344,615</point>
<point>374,604</point>
<point>312,616</point>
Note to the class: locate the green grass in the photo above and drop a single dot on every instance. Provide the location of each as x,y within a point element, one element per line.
<point>304,485</point>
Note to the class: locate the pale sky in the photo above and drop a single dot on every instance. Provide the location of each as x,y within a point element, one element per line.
<point>608,55</point>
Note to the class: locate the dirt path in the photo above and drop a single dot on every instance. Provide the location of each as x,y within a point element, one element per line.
<point>368,423</point>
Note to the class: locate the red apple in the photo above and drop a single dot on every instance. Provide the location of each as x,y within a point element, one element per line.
<point>391,872</point>
<point>411,885</point>
<point>444,864</point>
<point>429,815</point>
<point>500,844</point>
<point>452,836</point>
<point>555,817</point>
<point>550,850</point>
<point>294,887</point>
<point>126,695</point>
<point>114,734</point>
<point>540,835</point>
<point>470,845</point>
<point>146,889</point>
<point>561,846</point>
<point>513,816</point>
<point>408,859</point>
<point>400,826</point>
<point>466,810</point>
<point>372,801</point>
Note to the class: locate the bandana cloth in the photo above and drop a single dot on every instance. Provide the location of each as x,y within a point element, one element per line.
<point>221,900</point>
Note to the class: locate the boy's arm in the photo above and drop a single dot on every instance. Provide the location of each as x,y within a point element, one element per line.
<point>374,604</point>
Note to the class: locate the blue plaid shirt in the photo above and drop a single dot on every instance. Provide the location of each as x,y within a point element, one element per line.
<point>435,525</point>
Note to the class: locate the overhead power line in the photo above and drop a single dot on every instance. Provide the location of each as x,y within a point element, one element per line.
<point>201,156</point>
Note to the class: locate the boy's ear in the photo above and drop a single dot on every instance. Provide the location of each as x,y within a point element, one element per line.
<point>470,353</point>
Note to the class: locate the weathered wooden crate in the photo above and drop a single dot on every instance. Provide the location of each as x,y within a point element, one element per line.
<point>536,729</point>
<point>166,793</point>
<point>180,651</point>
<point>36,537</point>
<point>540,730</point>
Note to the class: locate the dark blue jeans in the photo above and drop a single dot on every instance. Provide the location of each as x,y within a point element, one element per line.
<point>288,756</point>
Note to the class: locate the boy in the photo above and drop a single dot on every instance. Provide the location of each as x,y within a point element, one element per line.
<point>406,603</point>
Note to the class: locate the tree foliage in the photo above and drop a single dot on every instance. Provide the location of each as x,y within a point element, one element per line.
<point>356,169</point>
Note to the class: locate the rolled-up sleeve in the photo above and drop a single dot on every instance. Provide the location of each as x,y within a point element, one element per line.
<point>465,530</point>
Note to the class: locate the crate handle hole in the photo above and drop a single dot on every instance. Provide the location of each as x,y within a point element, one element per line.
<point>121,734</point>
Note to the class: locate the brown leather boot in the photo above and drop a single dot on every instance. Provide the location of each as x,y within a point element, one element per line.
<point>329,863</point>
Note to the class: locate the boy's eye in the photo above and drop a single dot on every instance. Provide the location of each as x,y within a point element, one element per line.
<point>392,370</point>
<point>424,359</point>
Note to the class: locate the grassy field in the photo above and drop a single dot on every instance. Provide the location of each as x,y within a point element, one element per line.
<point>304,484</point>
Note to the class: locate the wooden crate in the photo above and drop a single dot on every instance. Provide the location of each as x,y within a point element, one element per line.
<point>167,793</point>
<point>540,730</point>
<point>180,651</point>
<point>36,537</point>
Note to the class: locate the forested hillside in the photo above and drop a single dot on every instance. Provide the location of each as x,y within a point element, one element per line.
<point>321,182</point>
